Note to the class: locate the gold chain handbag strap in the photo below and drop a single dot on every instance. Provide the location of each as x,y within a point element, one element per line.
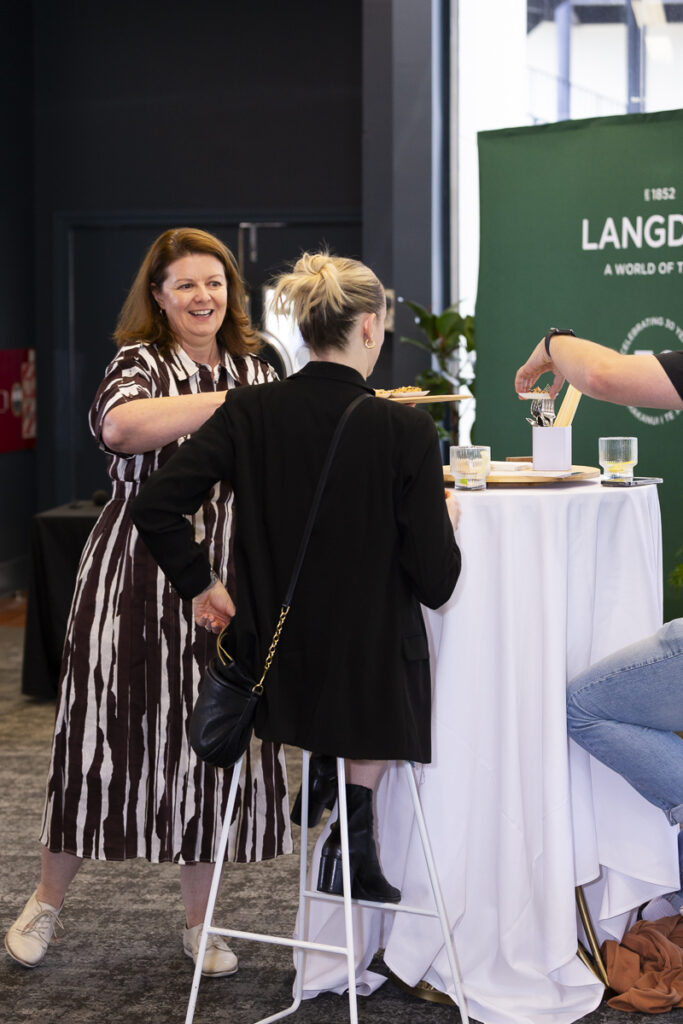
<point>271,650</point>
<point>224,656</point>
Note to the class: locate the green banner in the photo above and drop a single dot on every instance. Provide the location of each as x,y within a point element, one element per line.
<point>582,227</point>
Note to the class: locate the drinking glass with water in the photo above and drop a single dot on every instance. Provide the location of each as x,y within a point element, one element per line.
<point>618,456</point>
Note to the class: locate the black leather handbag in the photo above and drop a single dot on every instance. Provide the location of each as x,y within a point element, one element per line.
<point>222,719</point>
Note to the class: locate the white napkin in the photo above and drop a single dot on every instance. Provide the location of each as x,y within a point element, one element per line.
<point>511,467</point>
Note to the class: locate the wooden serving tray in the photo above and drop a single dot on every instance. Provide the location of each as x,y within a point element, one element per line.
<point>522,479</point>
<point>424,399</point>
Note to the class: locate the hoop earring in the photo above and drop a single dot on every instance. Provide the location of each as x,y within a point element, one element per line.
<point>366,340</point>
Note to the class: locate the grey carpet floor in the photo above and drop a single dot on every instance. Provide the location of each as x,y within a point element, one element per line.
<point>119,957</point>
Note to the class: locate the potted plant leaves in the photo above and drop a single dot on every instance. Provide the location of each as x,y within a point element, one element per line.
<point>449,338</point>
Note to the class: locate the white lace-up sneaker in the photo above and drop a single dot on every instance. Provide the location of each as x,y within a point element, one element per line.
<point>28,938</point>
<point>219,959</point>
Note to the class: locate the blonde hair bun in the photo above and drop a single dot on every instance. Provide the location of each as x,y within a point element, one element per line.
<point>325,294</point>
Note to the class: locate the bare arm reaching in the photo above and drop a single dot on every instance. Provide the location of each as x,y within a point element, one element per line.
<point>149,423</point>
<point>601,373</point>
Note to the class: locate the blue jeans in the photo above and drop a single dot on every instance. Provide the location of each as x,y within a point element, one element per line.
<point>626,710</point>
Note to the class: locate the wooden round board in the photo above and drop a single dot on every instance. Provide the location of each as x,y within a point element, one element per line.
<point>522,479</point>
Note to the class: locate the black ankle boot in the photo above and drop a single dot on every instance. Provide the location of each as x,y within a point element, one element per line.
<point>367,880</point>
<point>322,789</point>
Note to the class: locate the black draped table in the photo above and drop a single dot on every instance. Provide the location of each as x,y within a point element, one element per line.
<point>56,541</point>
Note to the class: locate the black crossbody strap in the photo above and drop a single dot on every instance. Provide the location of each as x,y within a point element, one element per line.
<point>318,495</point>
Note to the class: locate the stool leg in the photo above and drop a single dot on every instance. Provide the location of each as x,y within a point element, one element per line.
<point>346,879</point>
<point>299,956</point>
<point>436,889</point>
<point>597,964</point>
<point>213,892</point>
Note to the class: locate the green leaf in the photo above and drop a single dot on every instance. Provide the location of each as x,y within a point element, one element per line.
<point>418,343</point>
<point>425,319</point>
<point>443,332</point>
<point>419,310</point>
<point>430,380</point>
<point>450,324</point>
<point>676,577</point>
<point>444,335</point>
<point>468,331</point>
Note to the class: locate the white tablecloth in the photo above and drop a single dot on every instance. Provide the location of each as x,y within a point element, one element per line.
<point>553,579</point>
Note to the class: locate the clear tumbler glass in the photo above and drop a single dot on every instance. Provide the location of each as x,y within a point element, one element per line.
<point>618,456</point>
<point>470,465</point>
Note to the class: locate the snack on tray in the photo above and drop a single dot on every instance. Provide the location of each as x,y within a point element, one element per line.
<point>536,392</point>
<point>387,392</point>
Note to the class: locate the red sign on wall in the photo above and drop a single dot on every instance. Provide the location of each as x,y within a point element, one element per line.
<point>17,399</point>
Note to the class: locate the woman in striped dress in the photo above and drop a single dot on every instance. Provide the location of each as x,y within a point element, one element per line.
<point>124,781</point>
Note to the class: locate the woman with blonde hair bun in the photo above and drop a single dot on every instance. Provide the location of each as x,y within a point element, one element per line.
<point>350,677</point>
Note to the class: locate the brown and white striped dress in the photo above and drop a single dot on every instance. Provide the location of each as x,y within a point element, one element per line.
<point>124,781</point>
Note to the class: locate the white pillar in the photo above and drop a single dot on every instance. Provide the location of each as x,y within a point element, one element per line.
<point>489,90</point>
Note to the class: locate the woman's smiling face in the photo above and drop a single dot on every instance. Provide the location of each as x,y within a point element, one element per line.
<point>194,296</point>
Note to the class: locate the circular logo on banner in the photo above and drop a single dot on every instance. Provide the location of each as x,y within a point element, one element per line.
<point>636,342</point>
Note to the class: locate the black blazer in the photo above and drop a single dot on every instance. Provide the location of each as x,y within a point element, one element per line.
<point>351,674</point>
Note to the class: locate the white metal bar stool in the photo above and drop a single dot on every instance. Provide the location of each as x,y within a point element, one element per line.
<point>301,945</point>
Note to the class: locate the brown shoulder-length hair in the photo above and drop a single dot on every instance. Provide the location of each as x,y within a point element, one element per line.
<point>140,319</point>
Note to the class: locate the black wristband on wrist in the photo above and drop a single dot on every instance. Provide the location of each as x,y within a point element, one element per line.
<point>551,334</point>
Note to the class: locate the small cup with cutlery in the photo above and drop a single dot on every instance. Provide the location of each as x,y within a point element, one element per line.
<point>551,448</point>
<point>552,434</point>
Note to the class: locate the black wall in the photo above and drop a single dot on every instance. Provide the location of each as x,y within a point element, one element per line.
<point>122,120</point>
<point>211,105</point>
<point>19,289</point>
<point>148,115</point>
